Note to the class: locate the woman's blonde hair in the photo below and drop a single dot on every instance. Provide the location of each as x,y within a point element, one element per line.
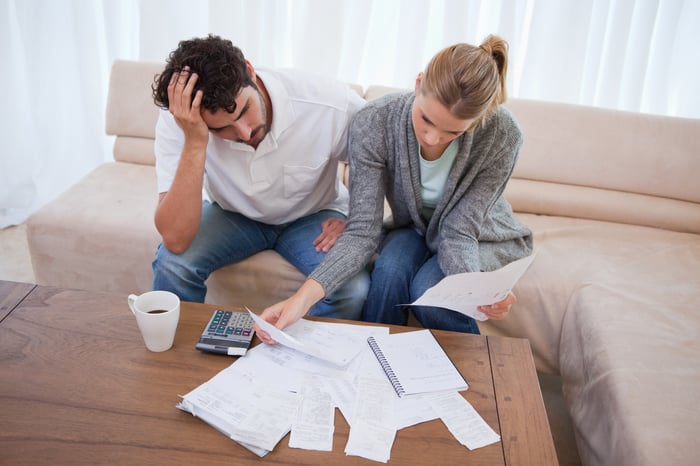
<point>470,81</point>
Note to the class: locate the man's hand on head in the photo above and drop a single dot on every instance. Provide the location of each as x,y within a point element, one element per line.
<point>185,109</point>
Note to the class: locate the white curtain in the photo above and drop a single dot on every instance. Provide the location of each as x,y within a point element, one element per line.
<point>56,57</point>
<point>635,55</point>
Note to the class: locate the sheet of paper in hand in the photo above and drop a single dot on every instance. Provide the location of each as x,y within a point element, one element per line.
<point>463,292</point>
<point>332,342</point>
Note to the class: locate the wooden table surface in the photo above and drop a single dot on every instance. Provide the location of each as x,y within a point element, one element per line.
<point>11,294</point>
<point>78,386</point>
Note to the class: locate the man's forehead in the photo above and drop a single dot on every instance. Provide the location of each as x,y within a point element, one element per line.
<point>238,105</point>
<point>239,101</point>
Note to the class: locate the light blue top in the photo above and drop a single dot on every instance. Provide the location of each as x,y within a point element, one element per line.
<point>433,177</point>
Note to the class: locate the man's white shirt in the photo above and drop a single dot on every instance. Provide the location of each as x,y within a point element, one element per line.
<point>293,171</point>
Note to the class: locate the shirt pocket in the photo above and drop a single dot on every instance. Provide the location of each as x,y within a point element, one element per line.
<point>300,181</point>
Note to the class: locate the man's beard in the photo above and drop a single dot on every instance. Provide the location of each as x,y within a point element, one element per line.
<point>260,132</point>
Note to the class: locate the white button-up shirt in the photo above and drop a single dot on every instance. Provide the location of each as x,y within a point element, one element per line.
<point>294,170</point>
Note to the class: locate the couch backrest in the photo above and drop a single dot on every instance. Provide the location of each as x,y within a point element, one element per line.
<point>600,164</point>
<point>607,165</point>
<point>576,161</point>
<point>131,113</point>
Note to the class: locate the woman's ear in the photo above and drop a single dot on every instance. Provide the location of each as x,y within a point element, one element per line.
<point>419,80</point>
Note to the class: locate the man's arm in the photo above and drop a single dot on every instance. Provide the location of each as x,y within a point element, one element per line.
<point>179,209</point>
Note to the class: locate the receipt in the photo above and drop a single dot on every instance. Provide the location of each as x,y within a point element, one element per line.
<point>463,421</point>
<point>315,421</point>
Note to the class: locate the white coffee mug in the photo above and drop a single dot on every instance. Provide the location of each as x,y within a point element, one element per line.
<point>157,314</point>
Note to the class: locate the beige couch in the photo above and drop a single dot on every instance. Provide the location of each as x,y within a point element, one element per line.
<point>611,302</point>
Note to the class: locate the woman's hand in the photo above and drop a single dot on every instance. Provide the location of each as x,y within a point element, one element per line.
<point>280,315</point>
<point>499,310</point>
<point>285,313</point>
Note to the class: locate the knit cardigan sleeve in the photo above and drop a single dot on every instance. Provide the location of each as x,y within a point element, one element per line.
<point>367,151</point>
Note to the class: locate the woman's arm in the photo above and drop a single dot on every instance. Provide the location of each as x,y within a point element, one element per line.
<point>358,241</point>
<point>367,151</point>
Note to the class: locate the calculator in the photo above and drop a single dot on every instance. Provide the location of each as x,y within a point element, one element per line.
<point>228,332</point>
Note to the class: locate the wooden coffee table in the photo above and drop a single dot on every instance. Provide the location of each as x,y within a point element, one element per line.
<point>77,385</point>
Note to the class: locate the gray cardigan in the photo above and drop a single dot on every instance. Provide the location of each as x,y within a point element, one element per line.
<point>472,228</point>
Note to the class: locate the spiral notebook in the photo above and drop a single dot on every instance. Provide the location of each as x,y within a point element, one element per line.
<point>414,362</point>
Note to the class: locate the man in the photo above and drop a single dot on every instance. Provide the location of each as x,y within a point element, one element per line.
<point>264,145</point>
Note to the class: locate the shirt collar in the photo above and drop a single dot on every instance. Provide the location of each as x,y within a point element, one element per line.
<point>282,110</point>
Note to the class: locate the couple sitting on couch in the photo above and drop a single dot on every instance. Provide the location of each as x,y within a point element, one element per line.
<point>265,144</point>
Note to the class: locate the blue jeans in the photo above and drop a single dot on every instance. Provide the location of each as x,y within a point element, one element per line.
<point>404,269</point>
<point>226,237</point>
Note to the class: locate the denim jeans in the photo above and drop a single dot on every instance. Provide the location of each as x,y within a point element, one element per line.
<point>403,270</point>
<point>226,237</point>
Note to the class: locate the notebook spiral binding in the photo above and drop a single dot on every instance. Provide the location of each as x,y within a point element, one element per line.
<point>386,367</point>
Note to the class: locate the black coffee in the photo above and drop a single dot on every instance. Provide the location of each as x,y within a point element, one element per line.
<point>157,311</point>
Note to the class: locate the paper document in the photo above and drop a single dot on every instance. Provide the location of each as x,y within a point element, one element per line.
<point>373,428</point>
<point>244,407</point>
<point>463,292</point>
<point>323,340</point>
<point>278,335</point>
<point>462,420</point>
<point>313,427</point>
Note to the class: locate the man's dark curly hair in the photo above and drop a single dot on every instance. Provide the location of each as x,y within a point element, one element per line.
<point>221,70</point>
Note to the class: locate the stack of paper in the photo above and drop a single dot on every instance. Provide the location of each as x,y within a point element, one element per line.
<point>275,390</point>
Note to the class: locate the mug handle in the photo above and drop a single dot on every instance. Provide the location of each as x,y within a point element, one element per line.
<point>131,299</point>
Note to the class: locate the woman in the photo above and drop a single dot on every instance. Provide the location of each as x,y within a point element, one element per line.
<point>442,156</point>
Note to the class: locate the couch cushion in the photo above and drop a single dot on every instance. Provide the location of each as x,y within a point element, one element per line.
<point>572,254</point>
<point>557,199</point>
<point>98,235</point>
<point>134,150</point>
<point>257,282</point>
<point>630,360</point>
